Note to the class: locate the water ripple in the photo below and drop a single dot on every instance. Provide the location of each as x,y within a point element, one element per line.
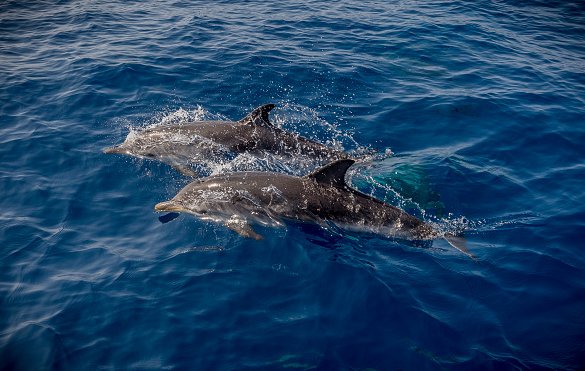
<point>468,114</point>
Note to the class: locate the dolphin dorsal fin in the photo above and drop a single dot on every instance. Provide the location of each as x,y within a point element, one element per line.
<point>259,116</point>
<point>333,173</point>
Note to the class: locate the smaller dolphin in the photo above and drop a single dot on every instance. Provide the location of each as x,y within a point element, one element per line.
<point>239,199</point>
<point>180,146</point>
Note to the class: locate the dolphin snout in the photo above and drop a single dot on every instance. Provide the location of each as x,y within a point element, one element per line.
<point>117,150</point>
<point>168,206</point>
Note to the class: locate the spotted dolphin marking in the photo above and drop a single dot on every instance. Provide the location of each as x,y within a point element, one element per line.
<point>180,146</point>
<point>241,199</point>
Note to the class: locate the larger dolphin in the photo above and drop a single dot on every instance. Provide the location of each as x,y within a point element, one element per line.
<point>243,198</point>
<point>185,144</point>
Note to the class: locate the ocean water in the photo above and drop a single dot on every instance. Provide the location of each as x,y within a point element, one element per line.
<point>473,113</point>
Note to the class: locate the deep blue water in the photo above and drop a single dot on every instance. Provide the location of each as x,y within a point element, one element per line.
<point>481,102</point>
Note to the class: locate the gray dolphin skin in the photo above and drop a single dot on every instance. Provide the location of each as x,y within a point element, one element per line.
<point>182,145</point>
<point>240,199</point>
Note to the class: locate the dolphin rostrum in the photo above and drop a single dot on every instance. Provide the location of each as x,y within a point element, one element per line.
<point>240,199</point>
<point>183,145</point>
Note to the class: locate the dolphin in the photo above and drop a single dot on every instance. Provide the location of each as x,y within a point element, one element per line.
<point>183,145</point>
<point>241,199</point>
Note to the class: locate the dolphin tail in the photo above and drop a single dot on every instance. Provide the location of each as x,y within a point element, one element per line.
<point>458,242</point>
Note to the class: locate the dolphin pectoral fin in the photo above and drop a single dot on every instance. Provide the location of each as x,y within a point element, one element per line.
<point>460,243</point>
<point>185,170</point>
<point>242,228</point>
<point>259,116</point>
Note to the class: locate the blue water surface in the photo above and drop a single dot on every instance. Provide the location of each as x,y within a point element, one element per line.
<point>481,102</point>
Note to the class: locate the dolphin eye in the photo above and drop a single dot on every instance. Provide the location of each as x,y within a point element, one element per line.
<point>149,154</point>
